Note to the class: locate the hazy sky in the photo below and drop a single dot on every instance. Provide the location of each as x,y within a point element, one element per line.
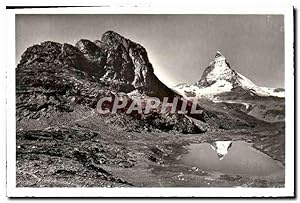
<point>180,47</point>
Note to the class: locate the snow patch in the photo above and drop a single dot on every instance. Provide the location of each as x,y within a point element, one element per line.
<point>218,87</point>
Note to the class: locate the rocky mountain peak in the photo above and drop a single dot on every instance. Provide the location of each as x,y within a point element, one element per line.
<point>218,70</point>
<point>128,62</point>
<point>220,80</point>
<point>113,40</point>
<point>87,47</point>
<point>114,61</point>
<point>218,54</point>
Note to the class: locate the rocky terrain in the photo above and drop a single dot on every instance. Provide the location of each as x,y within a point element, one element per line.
<point>62,141</point>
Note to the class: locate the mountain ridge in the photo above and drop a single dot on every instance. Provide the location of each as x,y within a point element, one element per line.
<point>219,78</point>
<point>114,59</point>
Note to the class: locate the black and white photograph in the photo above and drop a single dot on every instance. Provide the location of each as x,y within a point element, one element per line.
<point>163,101</point>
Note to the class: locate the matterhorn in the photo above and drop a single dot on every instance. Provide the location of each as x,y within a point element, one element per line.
<point>219,79</point>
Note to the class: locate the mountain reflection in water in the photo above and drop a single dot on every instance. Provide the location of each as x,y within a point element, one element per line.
<point>232,157</point>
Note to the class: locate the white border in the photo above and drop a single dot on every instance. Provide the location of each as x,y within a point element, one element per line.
<point>12,191</point>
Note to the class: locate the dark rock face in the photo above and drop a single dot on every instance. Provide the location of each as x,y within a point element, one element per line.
<point>94,54</point>
<point>45,52</point>
<point>127,62</point>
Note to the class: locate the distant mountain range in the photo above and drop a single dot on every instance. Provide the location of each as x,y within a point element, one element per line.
<point>219,79</point>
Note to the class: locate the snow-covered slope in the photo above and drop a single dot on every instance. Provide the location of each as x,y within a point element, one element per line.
<point>190,91</point>
<point>260,91</point>
<point>219,78</point>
